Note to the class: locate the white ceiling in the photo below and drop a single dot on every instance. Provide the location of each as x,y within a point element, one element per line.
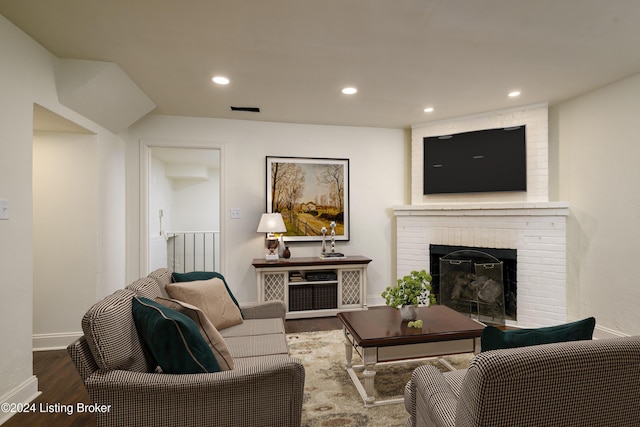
<point>290,58</point>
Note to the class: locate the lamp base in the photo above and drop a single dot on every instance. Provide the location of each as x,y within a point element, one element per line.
<point>271,257</point>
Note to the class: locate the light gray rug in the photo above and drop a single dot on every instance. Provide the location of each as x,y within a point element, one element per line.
<point>330,397</point>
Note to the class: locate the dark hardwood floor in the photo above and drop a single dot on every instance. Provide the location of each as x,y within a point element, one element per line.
<point>60,383</point>
<point>311,325</point>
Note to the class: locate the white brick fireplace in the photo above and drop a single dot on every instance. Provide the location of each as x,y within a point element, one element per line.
<point>536,230</point>
<point>524,221</point>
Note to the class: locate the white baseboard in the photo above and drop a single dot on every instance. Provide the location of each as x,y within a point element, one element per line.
<point>60,341</point>
<point>602,333</point>
<point>24,393</point>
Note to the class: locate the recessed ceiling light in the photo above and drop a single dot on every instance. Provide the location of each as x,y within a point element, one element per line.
<point>428,110</point>
<point>349,90</point>
<point>220,80</point>
<point>514,93</point>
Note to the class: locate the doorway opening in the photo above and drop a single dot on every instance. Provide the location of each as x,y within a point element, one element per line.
<point>65,227</point>
<point>183,230</point>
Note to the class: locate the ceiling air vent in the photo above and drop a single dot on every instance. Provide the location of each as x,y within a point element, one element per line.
<point>249,109</point>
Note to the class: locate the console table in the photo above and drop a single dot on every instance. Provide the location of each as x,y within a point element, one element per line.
<point>314,287</point>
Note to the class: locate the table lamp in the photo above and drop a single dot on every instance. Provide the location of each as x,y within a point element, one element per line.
<point>271,223</point>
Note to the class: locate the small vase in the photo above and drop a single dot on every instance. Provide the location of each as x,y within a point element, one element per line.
<point>287,253</point>
<point>409,312</point>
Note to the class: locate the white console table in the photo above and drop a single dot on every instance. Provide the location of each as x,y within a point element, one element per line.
<point>314,287</point>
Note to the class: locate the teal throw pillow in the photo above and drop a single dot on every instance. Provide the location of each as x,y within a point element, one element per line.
<point>496,339</point>
<point>172,338</point>
<point>204,275</point>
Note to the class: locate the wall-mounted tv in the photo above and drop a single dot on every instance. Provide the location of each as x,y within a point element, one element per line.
<point>479,161</point>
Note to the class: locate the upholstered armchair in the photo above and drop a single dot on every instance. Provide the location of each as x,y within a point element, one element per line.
<point>579,383</point>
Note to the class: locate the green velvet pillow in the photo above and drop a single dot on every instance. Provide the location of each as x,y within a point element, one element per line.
<point>496,339</point>
<point>203,275</point>
<point>172,338</point>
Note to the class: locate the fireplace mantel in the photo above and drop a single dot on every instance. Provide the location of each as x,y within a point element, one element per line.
<point>485,209</point>
<point>537,230</point>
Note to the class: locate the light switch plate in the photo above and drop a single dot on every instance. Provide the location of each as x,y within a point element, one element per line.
<point>4,209</point>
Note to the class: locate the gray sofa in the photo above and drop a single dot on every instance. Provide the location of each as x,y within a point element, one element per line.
<point>581,383</point>
<point>265,388</point>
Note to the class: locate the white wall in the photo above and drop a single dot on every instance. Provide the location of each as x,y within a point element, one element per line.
<point>111,213</point>
<point>27,77</point>
<point>196,204</point>
<point>597,139</point>
<point>378,179</point>
<point>160,197</point>
<point>65,196</point>
<point>23,80</point>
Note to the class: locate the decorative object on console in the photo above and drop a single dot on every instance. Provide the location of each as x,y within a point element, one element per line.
<point>411,290</point>
<point>333,254</point>
<point>324,241</point>
<point>286,254</point>
<point>310,193</point>
<point>333,236</point>
<point>271,223</point>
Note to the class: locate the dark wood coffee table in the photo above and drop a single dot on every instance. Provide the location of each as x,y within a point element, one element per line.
<point>379,335</point>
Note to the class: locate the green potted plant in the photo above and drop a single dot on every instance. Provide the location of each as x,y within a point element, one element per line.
<point>411,290</point>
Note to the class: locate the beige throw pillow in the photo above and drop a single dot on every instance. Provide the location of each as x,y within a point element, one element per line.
<point>211,335</point>
<point>211,297</point>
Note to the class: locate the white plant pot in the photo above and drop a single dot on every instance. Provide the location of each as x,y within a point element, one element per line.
<point>409,312</point>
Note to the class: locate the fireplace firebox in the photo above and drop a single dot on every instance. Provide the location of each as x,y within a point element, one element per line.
<point>479,282</point>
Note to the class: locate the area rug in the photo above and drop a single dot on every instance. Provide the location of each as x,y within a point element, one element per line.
<point>330,397</point>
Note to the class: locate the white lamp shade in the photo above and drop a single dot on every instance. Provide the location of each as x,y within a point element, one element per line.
<point>271,223</point>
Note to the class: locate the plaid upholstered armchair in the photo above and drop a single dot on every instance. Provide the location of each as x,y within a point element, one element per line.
<point>264,388</point>
<point>580,383</point>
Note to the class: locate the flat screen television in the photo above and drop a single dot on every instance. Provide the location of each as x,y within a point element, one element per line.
<point>473,162</point>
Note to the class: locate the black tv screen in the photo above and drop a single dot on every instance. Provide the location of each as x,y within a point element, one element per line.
<point>479,161</point>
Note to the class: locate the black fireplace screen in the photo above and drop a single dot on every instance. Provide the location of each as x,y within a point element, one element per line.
<point>478,282</point>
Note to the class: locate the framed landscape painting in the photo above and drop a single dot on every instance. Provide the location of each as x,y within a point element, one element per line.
<point>310,193</point>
